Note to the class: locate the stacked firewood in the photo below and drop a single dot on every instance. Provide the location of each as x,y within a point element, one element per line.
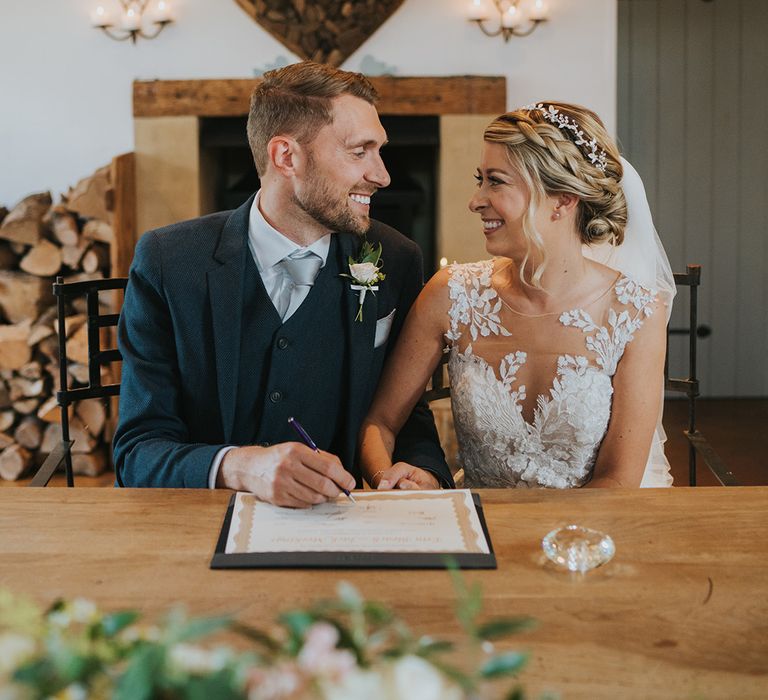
<point>40,240</point>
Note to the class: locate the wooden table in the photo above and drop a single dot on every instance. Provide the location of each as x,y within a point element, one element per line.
<point>681,611</point>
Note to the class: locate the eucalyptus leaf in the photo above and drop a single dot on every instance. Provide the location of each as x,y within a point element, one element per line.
<point>297,622</point>
<point>349,596</point>
<point>377,613</point>
<point>256,635</point>
<point>220,685</point>
<point>501,627</point>
<point>40,674</point>
<point>517,693</point>
<point>439,646</point>
<point>194,629</point>
<point>116,622</point>
<point>458,676</point>
<point>505,664</point>
<point>144,668</point>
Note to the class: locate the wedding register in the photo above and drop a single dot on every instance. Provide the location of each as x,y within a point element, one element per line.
<point>388,529</point>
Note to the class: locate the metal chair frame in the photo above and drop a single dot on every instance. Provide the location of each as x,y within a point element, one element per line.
<point>97,357</point>
<point>697,443</point>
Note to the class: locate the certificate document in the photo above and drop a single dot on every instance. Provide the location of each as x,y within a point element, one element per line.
<point>445,522</point>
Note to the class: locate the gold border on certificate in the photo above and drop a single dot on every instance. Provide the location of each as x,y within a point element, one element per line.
<point>249,513</point>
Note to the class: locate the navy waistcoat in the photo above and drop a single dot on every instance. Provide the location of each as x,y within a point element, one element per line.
<point>296,368</point>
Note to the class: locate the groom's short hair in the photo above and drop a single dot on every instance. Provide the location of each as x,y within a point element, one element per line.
<point>297,101</point>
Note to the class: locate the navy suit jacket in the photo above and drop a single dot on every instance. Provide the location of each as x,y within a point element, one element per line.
<point>179,335</point>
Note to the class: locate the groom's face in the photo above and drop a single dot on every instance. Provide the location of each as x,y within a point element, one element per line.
<point>344,168</point>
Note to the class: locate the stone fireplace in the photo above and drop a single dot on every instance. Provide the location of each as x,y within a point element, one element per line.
<point>182,128</point>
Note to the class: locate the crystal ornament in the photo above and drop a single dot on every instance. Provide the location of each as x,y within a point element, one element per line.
<point>577,548</point>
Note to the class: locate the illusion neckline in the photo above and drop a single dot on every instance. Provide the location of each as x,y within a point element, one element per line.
<point>607,290</point>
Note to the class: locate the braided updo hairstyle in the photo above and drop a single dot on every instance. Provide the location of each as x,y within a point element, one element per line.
<point>548,160</point>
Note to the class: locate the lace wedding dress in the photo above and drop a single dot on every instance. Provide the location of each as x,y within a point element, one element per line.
<point>531,395</point>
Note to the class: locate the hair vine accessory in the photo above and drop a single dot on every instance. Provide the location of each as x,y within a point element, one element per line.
<point>595,155</point>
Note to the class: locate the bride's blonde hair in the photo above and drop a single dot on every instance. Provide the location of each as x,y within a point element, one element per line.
<point>548,160</point>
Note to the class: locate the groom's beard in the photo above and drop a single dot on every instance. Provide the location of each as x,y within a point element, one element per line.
<point>330,209</point>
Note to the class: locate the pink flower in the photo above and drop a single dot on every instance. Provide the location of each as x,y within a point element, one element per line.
<point>319,655</point>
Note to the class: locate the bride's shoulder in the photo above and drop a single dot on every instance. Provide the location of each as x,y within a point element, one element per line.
<point>634,293</point>
<point>627,289</point>
<point>460,276</point>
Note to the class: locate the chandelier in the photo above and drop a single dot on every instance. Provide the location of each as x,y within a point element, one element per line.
<point>514,17</point>
<point>129,18</point>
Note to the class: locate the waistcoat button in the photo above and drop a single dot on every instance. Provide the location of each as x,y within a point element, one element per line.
<point>275,397</point>
<point>282,343</point>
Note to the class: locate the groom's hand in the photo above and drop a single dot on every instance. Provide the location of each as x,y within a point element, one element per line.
<point>288,474</point>
<point>402,475</point>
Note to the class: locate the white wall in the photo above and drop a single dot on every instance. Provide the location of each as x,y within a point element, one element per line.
<point>65,89</point>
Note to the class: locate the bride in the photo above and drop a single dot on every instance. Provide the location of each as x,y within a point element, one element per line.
<point>556,345</point>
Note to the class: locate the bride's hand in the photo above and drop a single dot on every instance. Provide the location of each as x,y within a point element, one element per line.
<point>405,476</point>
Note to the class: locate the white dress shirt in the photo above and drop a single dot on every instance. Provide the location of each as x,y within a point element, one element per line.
<point>268,247</point>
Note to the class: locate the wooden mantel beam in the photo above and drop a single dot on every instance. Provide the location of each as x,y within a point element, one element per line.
<point>467,94</point>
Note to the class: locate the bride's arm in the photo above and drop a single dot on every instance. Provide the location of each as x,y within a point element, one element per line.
<point>416,354</point>
<point>637,396</point>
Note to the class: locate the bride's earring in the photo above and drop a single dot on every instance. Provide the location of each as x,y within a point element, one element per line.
<point>555,215</point>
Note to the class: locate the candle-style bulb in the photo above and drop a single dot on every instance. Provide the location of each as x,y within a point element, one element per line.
<point>131,19</point>
<point>511,17</point>
<point>477,10</point>
<point>163,12</point>
<point>101,17</point>
<point>539,11</point>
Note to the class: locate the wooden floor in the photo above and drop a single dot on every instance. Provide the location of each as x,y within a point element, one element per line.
<point>734,427</point>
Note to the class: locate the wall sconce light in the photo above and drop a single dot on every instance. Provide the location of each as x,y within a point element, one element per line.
<point>515,17</point>
<point>129,22</point>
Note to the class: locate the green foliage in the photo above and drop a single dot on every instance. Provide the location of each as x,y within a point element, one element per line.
<point>73,649</point>
<point>115,623</point>
<point>503,665</point>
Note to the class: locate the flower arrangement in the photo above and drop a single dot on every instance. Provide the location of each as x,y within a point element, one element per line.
<point>346,648</point>
<point>365,273</point>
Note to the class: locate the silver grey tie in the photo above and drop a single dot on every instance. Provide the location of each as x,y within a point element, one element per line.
<point>300,269</point>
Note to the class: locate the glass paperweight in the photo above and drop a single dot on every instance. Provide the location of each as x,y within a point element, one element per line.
<point>577,548</point>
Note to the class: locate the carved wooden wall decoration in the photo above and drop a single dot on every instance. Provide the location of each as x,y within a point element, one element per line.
<point>327,31</point>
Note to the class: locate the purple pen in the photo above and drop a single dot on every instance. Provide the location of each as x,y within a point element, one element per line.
<point>309,442</point>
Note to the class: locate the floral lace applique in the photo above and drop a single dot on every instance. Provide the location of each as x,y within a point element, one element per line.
<point>472,301</point>
<point>630,292</point>
<point>608,345</point>
<point>558,448</point>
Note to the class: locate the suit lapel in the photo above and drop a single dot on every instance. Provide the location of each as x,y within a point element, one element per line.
<point>360,338</point>
<point>225,290</point>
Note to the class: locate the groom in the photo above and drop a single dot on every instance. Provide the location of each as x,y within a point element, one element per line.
<point>236,321</point>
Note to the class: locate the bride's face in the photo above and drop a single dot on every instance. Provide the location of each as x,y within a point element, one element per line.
<point>502,200</point>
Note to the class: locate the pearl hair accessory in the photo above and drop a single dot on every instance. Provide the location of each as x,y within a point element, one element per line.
<point>595,155</point>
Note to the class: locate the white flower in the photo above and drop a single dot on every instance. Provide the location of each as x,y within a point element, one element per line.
<point>15,649</point>
<point>14,691</point>
<point>364,273</point>
<point>356,685</point>
<point>140,632</point>
<point>192,659</point>
<point>75,691</point>
<point>79,610</point>
<point>414,677</point>
<point>83,611</point>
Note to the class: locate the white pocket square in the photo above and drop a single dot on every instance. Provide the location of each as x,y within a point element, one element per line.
<point>383,326</point>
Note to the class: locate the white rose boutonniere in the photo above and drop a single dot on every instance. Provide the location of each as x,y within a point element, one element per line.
<point>365,273</point>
